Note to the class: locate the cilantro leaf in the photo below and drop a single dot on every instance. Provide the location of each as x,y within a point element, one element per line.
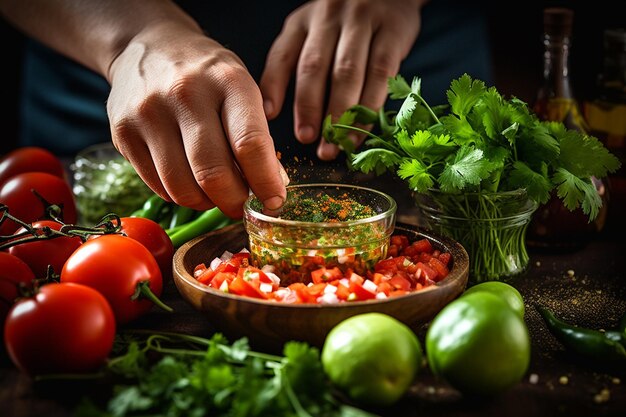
<point>398,87</point>
<point>377,160</point>
<point>460,130</point>
<point>537,185</point>
<point>575,192</point>
<point>337,135</point>
<point>585,156</point>
<point>405,114</point>
<point>417,174</point>
<point>464,93</point>
<point>468,167</point>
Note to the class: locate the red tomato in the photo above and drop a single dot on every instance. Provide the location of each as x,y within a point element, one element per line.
<point>116,266</point>
<point>150,234</point>
<point>13,273</point>
<point>17,194</point>
<point>30,159</point>
<point>64,328</point>
<point>41,253</point>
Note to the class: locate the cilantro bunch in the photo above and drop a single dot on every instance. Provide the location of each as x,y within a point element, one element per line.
<point>479,142</point>
<point>172,374</point>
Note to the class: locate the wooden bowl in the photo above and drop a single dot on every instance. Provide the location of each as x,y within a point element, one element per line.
<point>269,324</point>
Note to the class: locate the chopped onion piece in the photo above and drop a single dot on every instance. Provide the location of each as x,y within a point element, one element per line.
<point>330,289</point>
<point>275,279</point>
<point>226,256</point>
<point>328,298</point>
<point>370,286</point>
<point>381,296</point>
<point>266,287</point>
<point>215,263</point>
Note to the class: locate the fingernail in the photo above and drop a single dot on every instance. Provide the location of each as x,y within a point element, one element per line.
<point>306,133</point>
<point>268,107</point>
<point>283,175</point>
<point>273,203</point>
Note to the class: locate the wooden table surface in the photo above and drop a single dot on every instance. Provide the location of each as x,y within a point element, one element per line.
<point>594,296</point>
<point>586,287</point>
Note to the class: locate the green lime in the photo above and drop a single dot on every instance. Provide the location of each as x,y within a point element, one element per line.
<point>372,357</point>
<point>478,345</point>
<point>507,292</point>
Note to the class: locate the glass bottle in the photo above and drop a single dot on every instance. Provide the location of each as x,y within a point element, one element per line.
<point>553,225</point>
<point>606,117</point>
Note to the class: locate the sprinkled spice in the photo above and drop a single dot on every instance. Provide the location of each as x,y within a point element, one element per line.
<point>325,208</point>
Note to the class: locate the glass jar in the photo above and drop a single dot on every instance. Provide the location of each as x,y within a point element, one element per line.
<point>104,182</point>
<point>297,247</point>
<point>490,226</point>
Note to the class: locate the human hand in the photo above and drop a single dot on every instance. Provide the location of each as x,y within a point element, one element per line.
<point>189,117</point>
<point>340,50</point>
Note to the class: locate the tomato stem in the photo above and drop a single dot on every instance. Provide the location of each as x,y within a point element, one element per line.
<point>143,290</point>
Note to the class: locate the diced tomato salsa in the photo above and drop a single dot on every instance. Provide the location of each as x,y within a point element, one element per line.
<point>411,266</point>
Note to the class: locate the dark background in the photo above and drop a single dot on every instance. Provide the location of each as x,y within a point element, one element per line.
<point>516,29</point>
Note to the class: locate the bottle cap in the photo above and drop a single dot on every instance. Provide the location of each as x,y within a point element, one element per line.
<point>557,21</point>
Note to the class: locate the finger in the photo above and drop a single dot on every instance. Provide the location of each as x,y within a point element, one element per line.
<point>212,164</point>
<point>384,62</point>
<point>311,76</point>
<point>128,141</point>
<point>348,76</point>
<point>170,159</point>
<point>279,66</point>
<point>246,129</point>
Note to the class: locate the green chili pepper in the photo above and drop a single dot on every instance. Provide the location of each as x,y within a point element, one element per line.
<point>606,347</point>
<point>181,215</point>
<point>151,208</point>
<point>207,221</point>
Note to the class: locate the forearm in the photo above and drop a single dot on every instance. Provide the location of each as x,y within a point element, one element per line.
<point>92,32</point>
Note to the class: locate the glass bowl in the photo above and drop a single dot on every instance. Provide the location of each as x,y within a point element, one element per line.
<point>321,225</point>
<point>104,182</point>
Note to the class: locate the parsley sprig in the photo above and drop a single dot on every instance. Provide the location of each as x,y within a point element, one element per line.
<point>174,374</point>
<point>479,142</point>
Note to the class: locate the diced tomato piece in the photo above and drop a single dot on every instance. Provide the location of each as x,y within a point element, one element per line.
<point>342,292</point>
<point>326,275</point>
<point>302,291</point>
<point>220,277</point>
<point>401,241</point>
<point>385,287</point>
<point>257,272</point>
<point>361,293</point>
<point>206,276</point>
<point>424,257</point>
<point>445,258</point>
<point>355,279</point>
<point>410,252</point>
<point>440,267</point>
<point>423,245</point>
<point>199,269</point>
<point>400,283</point>
<point>377,278</point>
<point>425,272</point>
<point>240,286</point>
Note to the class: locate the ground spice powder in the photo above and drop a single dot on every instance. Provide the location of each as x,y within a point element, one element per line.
<point>325,208</point>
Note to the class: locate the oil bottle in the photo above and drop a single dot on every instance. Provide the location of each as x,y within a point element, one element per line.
<point>554,226</point>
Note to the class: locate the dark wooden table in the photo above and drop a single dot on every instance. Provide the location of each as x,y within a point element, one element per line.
<point>587,287</point>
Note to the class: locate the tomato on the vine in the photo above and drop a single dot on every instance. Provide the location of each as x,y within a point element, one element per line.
<point>14,273</point>
<point>19,194</point>
<point>150,234</point>
<point>120,268</point>
<point>30,159</point>
<point>39,254</point>
<point>63,328</point>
